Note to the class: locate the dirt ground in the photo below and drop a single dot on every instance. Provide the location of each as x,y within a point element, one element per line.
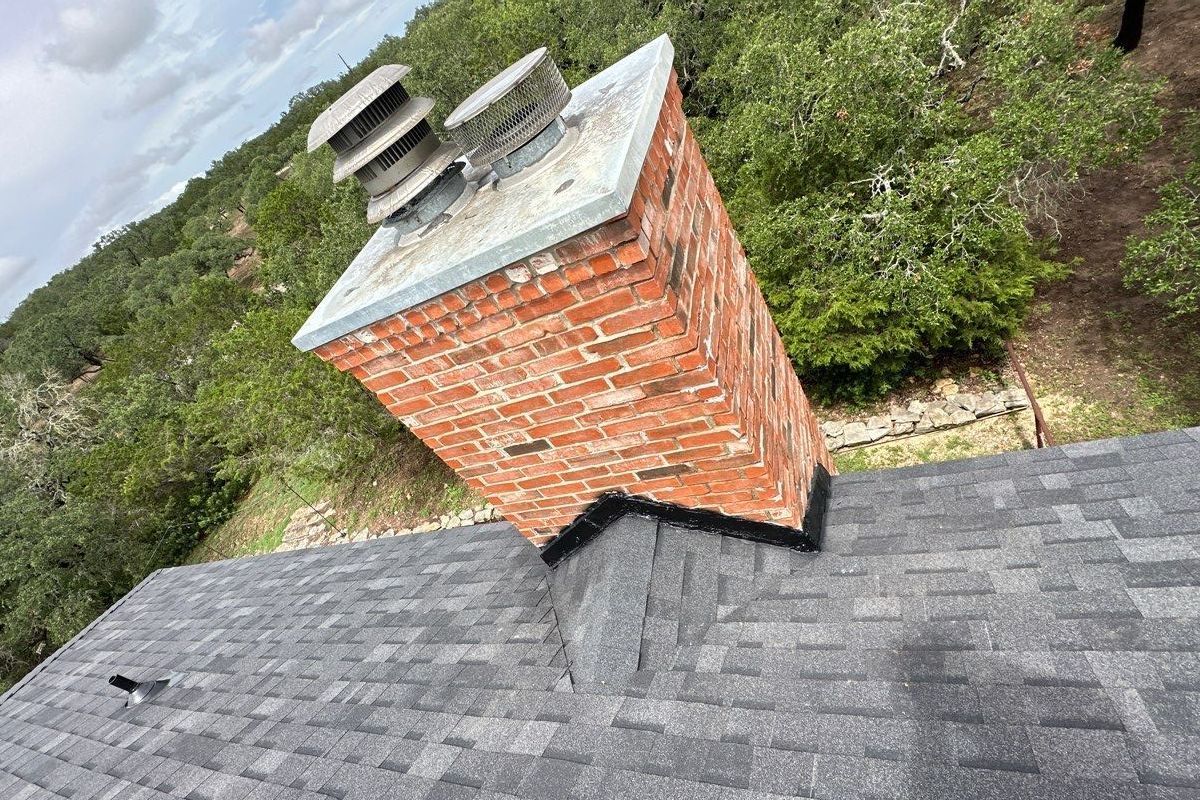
<point>1108,359</point>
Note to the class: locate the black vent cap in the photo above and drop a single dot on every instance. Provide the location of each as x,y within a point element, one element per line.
<point>140,691</point>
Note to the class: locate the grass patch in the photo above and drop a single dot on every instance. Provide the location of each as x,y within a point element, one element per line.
<point>257,524</point>
<point>1149,397</point>
<point>403,486</point>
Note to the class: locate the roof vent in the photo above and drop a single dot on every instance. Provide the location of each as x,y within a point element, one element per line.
<point>139,691</point>
<point>382,138</point>
<point>514,119</point>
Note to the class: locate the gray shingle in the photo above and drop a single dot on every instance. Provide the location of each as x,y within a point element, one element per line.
<point>1022,625</point>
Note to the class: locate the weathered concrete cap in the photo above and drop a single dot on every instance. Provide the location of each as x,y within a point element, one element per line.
<point>348,106</point>
<point>588,179</point>
<point>381,138</point>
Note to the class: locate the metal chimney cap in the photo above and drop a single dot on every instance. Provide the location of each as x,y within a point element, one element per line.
<point>350,104</point>
<point>510,109</point>
<point>494,89</point>
<point>391,201</point>
<point>383,137</point>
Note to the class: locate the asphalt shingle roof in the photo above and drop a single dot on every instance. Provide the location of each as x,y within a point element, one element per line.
<point>1022,625</point>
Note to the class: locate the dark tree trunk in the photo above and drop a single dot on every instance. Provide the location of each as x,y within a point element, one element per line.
<point>1131,26</point>
<point>86,353</point>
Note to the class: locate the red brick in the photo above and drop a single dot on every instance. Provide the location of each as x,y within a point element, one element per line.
<point>595,369</point>
<point>543,306</point>
<point>587,389</point>
<point>486,327</point>
<point>603,264</point>
<point>658,369</point>
<point>622,344</point>
<point>613,398</point>
<point>601,306</point>
<point>635,318</point>
<point>497,282</point>
<point>617,371</point>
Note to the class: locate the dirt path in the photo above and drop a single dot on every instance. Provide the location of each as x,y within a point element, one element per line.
<point>1091,343</point>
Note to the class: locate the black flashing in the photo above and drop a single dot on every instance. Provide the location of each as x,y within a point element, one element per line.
<point>139,691</point>
<point>610,506</point>
<point>819,487</point>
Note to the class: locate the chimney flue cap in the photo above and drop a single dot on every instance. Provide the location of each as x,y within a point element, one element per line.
<point>352,103</point>
<point>510,109</point>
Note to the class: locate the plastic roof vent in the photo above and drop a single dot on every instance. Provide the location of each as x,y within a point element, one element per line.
<point>140,691</point>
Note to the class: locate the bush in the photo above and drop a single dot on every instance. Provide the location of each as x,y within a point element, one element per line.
<point>292,410</point>
<point>1166,262</point>
<point>885,163</point>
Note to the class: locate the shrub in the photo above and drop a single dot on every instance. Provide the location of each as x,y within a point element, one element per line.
<point>885,164</point>
<point>1166,262</point>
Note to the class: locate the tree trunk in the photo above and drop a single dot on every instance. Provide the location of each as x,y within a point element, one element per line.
<point>1131,26</point>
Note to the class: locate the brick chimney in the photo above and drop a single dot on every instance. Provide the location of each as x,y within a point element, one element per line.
<point>586,326</point>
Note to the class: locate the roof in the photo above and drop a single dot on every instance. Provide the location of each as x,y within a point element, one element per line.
<point>351,104</point>
<point>1021,625</point>
<point>586,180</point>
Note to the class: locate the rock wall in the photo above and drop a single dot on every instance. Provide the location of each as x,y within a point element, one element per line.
<point>921,417</point>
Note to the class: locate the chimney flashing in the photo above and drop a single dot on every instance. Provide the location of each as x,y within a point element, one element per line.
<point>614,112</point>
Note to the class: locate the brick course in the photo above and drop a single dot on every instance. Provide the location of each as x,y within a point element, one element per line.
<point>638,356</point>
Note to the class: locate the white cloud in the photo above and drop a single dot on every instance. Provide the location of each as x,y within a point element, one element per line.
<point>273,38</point>
<point>109,205</point>
<point>163,200</point>
<point>44,112</point>
<point>111,104</point>
<point>13,267</point>
<point>205,109</point>
<point>94,37</point>
<point>16,279</point>
<point>151,90</point>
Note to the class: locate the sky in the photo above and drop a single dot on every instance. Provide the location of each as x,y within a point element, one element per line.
<point>109,107</point>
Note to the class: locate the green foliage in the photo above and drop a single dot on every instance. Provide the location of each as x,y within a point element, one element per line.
<point>60,566</point>
<point>1166,262</point>
<point>884,182</point>
<point>293,410</point>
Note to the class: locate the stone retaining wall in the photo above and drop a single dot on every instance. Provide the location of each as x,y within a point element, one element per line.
<point>921,417</point>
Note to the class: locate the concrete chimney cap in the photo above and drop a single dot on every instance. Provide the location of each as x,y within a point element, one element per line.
<point>381,138</point>
<point>350,104</point>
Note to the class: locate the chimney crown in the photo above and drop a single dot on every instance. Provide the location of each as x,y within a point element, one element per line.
<point>587,180</point>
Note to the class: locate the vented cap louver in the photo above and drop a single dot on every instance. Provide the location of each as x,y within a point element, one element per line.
<point>510,109</point>
<point>382,137</point>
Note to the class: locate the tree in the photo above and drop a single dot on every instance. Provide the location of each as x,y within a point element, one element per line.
<point>884,166</point>
<point>1131,26</point>
<point>294,411</point>
<point>40,419</point>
